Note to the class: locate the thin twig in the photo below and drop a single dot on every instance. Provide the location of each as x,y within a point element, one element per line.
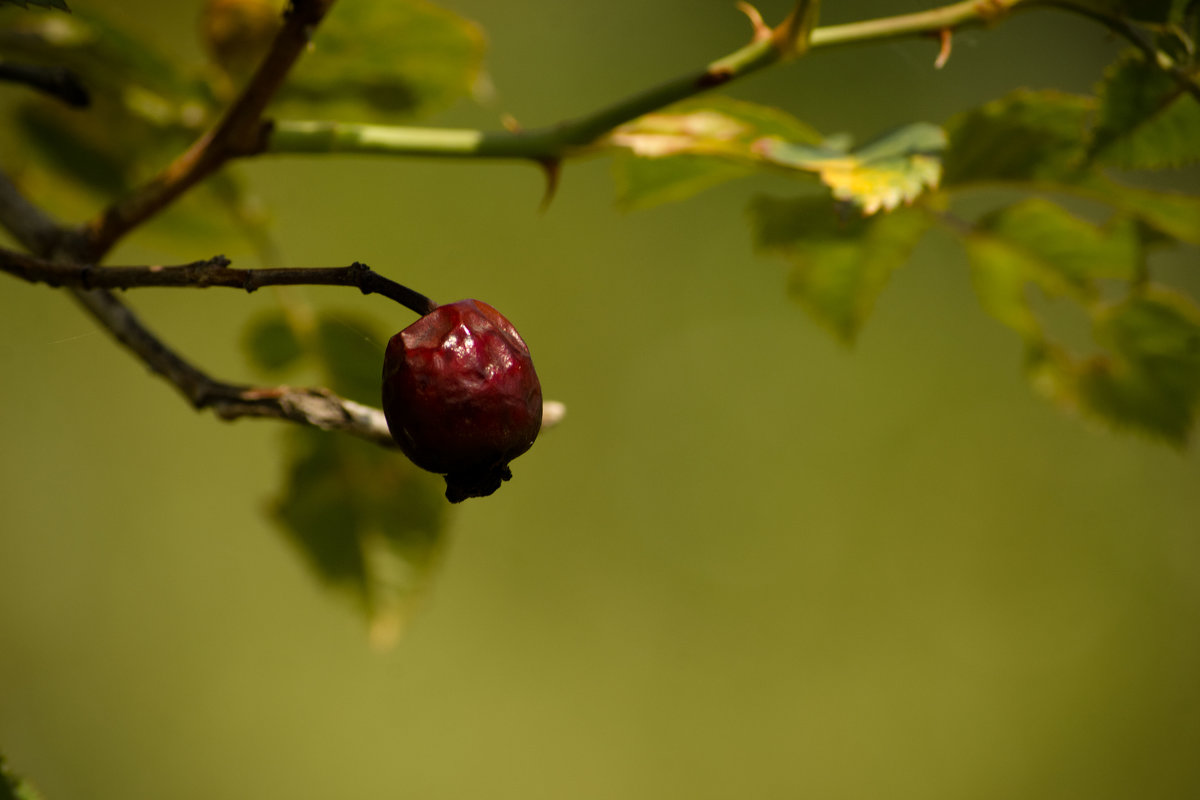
<point>307,406</point>
<point>240,131</point>
<point>214,271</point>
<point>61,250</point>
<point>1122,27</point>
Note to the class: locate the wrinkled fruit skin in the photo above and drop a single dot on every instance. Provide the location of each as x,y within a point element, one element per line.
<point>461,396</point>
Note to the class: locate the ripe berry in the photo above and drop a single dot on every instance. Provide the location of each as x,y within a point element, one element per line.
<point>461,396</point>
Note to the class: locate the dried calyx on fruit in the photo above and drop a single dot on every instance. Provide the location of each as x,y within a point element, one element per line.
<point>461,396</point>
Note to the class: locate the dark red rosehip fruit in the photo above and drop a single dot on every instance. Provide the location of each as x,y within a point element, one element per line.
<point>461,396</point>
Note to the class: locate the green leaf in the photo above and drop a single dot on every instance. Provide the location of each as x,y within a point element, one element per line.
<point>1150,381</point>
<point>382,60</point>
<point>1172,213</point>
<point>643,182</point>
<point>1147,120</point>
<point>841,260</point>
<point>345,345</point>
<point>72,151</point>
<point>271,343</point>
<point>1024,136</point>
<point>352,354</point>
<point>694,145</point>
<point>13,787</point>
<point>367,521</point>
<point>59,4</point>
<point>142,112</point>
<point>895,168</point>
<point>1036,242</point>
<point>1159,11</point>
<point>103,55</point>
<point>672,154</point>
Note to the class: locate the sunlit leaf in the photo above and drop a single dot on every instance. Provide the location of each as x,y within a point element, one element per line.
<point>1147,120</point>
<point>841,260</point>
<point>894,169</point>
<point>691,146</point>
<point>367,521</point>
<point>1023,136</point>
<point>381,60</point>
<point>643,182</point>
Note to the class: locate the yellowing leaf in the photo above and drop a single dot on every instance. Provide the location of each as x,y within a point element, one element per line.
<point>673,154</point>
<point>889,171</point>
<point>657,135</point>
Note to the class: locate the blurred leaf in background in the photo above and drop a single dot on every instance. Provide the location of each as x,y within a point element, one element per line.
<point>1147,118</point>
<point>13,787</point>
<point>143,109</point>
<point>366,520</point>
<point>691,146</point>
<point>380,61</point>
<point>891,574</point>
<point>841,259</point>
<point>671,155</point>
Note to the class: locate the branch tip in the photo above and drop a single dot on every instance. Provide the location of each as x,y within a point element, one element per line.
<point>793,36</point>
<point>945,37</point>
<point>552,169</point>
<point>762,31</point>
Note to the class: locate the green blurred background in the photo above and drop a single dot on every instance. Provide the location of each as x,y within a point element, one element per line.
<point>751,563</point>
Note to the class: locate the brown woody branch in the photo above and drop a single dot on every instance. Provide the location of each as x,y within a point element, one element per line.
<point>241,130</point>
<point>307,406</point>
<point>60,250</point>
<point>214,271</point>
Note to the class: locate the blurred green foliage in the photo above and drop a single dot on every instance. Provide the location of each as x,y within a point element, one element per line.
<point>365,519</point>
<point>748,564</point>
<point>384,61</point>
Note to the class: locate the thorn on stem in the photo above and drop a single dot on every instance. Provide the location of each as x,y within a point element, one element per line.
<point>552,168</point>
<point>762,31</point>
<point>792,37</point>
<point>945,35</point>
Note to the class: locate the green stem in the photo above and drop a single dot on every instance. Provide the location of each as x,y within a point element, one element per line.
<point>574,136</point>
